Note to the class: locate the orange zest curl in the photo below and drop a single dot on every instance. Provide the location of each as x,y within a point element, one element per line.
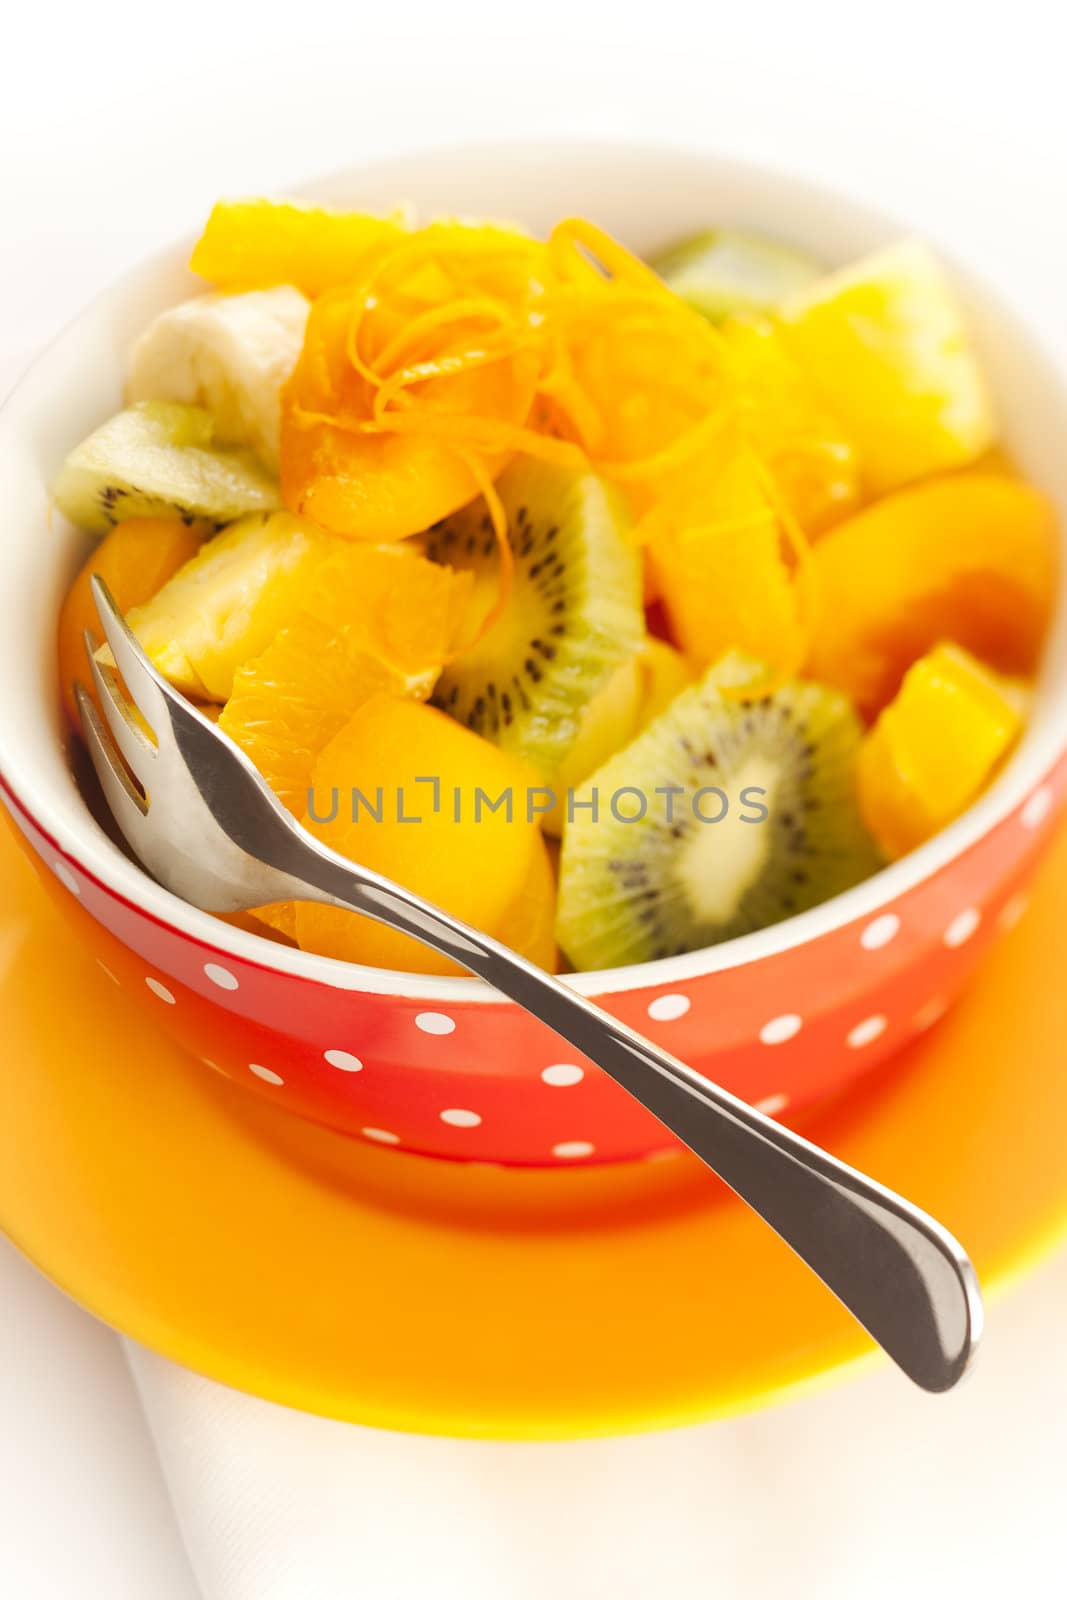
<point>453,347</point>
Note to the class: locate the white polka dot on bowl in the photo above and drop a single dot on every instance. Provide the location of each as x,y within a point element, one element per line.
<point>572,1149</point>
<point>66,877</point>
<point>380,1135</point>
<point>961,928</point>
<point>456,1117</point>
<point>160,990</point>
<point>877,934</point>
<point>866,1032</point>
<point>434,1022</point>
<point>220,976</point>
<point>779,1030</point>
<point>562,1075</point>
<point>267,1074</point>
<point>668,1007</point>
<point>343,1060</point>
<point>1036,808</point>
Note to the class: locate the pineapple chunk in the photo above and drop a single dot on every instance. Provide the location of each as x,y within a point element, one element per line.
<point>884,344</point>
<point>228,602</point>
<point>936,745</point>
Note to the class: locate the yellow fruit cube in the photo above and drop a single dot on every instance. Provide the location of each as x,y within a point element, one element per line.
<point>884,345</point>
<point>257,244</point>
<point>466,856</point>
<point>936,745</point>
<point>228,602</point>
<point>226,606</point>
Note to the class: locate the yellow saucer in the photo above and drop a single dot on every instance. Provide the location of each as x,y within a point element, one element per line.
<point>413,1294</point>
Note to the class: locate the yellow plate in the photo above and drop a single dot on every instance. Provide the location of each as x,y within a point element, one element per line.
<point>419,1295</point>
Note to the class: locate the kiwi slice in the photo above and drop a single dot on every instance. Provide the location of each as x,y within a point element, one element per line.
<point>721,272</point>
<point>159,459</point>
<point>761,821</point>
<point>572,617</point>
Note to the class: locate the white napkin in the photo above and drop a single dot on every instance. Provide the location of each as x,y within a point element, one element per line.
<point>866,1489</point>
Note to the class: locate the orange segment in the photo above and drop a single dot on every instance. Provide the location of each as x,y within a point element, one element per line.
<point>814,463</point>
<point>475,866</point>
<point>371,620</point>
<point>134,560</point>
<point>407,609</point>
<point>722,580</point>
<point>288,703</point>
<point>389,417</point>
<point>255,244</point>
<point>373,487</point>
<point>224,608</point>
<point>971,557</point>
<point>935,746</point>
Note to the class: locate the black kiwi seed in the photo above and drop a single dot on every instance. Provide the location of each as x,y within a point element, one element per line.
<point>573,612</point>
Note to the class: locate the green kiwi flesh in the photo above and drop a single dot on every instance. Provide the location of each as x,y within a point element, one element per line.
<point>722,273</point>
<point>572,617</point>
<point>159,459</point>
<point>763,822</point>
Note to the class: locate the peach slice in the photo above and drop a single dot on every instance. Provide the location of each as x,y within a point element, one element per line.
<point>398,790</point>
<point>971,558</point>
<point>529,923</point>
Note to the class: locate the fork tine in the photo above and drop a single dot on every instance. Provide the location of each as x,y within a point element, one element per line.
<point>149,688</point>
<point>127,806</point>
<point>131,739</point>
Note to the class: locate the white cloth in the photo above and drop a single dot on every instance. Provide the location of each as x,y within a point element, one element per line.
<point>865,1491</point>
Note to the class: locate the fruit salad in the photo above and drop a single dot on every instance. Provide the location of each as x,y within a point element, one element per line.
<point>619,606</point>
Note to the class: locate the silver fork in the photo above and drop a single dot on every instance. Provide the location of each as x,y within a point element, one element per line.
<point>209,829</point>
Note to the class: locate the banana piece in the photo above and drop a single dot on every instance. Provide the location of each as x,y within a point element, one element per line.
<point>229,353</point>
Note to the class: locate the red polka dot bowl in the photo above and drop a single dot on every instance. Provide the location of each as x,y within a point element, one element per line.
<point>783,1017</point>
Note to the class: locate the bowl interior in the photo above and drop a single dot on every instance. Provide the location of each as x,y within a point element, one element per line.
<point>647,198</point>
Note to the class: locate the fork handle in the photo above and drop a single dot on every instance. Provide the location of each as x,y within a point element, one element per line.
<point>901,1274</point>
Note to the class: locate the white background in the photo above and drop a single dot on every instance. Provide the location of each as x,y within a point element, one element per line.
<point>119,126</point>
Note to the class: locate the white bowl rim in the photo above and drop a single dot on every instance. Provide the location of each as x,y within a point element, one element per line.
<point>88,847</point>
